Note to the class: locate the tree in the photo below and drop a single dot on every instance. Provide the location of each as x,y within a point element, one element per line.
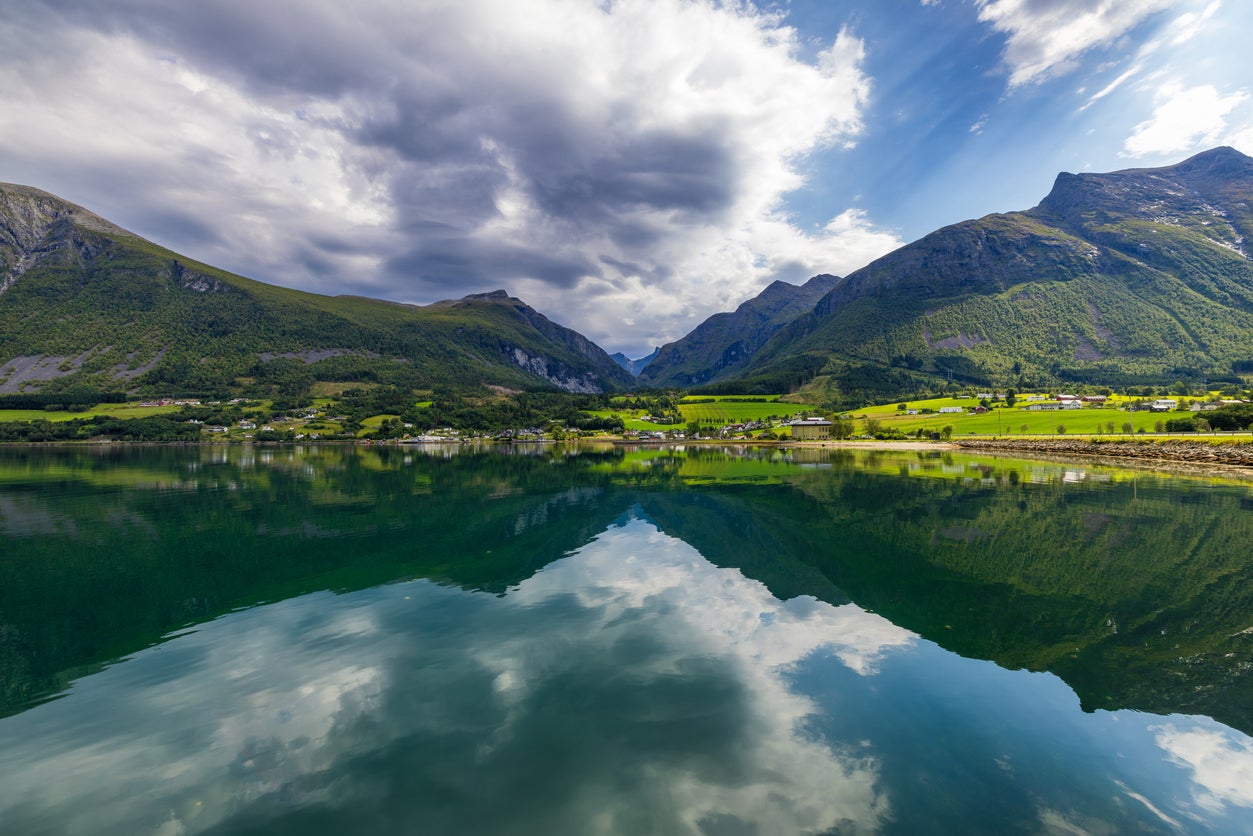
<point>1061,429</point>
<point>1011,398</point>
<point>1126,427</point>
<point>946,432</point>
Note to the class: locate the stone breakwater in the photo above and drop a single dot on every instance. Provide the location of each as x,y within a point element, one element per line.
<point>1190,452</point>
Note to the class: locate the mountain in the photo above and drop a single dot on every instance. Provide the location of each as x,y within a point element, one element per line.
<point>634,366</point>
<point>1135,276</point>
<point>724,344</point>
<point>85,302</point>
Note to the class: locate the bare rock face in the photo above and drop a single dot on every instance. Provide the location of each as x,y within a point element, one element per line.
<point>35,225</point>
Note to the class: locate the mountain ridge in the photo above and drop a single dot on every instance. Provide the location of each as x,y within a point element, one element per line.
<point>724,343</point>
<point>1127,277</point>
<point>85,302</point>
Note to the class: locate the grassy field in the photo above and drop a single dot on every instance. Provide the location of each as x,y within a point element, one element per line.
<point>113,410</point>
<point>723,412</point>
<point>1015,420</point>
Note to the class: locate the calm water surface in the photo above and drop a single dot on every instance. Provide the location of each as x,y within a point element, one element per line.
<point>339,640</point>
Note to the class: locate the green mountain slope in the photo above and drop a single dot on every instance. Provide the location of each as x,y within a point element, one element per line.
<point>1137,276</point>
<point>721,346</point>
<point>83,301</point>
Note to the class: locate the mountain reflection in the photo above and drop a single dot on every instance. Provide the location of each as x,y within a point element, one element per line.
<point>630,687</point>
<point>596,641</point>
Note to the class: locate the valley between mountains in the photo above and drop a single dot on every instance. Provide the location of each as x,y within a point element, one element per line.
<point>1134,278</point>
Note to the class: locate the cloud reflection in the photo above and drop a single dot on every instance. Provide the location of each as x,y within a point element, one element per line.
<point>1221,763</point>
<point>631,687</point>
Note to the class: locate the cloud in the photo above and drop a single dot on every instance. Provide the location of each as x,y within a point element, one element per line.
<point>445,148</point>
<point>1183,119</point>
<point>1178,32</point>
<point>1046,38</point>
<point>1189,24</point>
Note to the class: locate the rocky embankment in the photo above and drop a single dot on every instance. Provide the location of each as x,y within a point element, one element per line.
<point>1231,454</point>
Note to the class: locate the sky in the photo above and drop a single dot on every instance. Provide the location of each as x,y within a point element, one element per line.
<point>627,167</point>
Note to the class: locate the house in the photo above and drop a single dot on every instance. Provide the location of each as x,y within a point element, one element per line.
<point>945,409</point>
<point>810,428</point>
<point>1163,405</point>
<point>1093,399</point>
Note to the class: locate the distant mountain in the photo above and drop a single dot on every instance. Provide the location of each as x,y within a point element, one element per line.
<point>634,366</point>
<point>1140,275</point>
<point>85,302</point>
<point>723,345</point>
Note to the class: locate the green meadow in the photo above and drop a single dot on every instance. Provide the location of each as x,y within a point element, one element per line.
<point>1015,420</point>
<point>111,410</point>
<point>723,411</point>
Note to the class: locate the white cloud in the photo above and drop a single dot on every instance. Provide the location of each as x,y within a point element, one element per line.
<point>1178,32</point>
<point>1046,39</point>
<point>1189,24</point>
<point>1241,140</point>
<point>1183,119</point>
<point>424,152</point>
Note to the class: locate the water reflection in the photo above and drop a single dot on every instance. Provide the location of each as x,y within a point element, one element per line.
<point>655,641</point>
<point>630,687</point>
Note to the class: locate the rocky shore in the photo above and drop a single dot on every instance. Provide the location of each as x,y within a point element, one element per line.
<point>1200,453</point>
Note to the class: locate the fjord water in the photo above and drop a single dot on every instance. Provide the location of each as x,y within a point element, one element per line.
<point>383,640</point>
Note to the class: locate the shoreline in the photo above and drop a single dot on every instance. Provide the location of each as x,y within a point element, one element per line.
<point>1172,451</point>
<point>872,445</point>
<point>1163,451</point>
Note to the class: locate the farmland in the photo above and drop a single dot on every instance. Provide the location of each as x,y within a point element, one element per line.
<point>715,411</point>
<point>724,410</point>
<point>1015,420</point>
